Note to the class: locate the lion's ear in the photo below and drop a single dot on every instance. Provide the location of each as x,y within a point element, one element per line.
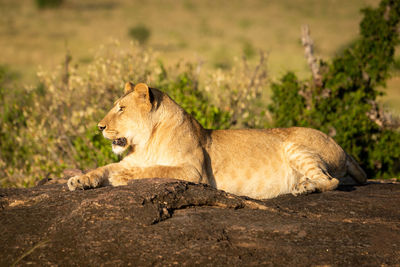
<point>142,91</point>
<point>129,87</point>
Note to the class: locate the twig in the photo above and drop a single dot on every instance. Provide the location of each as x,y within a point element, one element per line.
<point>66,75</point>
<point>309,54</point>
<point>29,252</point>
<point>382,118</point>
<point>260,63</point>
<point>197,71</point>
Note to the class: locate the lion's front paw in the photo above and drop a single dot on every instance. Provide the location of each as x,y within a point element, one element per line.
<point>82,182</point>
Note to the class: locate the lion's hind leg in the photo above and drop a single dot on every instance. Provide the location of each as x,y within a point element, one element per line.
<point>311,169</point>
<point>303,186</point>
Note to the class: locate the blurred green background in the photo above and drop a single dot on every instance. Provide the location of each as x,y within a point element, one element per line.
<point>212,31</point>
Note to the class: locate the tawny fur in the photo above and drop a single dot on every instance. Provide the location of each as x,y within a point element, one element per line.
<point>163,141</point>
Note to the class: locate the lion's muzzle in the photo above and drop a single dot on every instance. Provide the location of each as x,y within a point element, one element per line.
<point>120,142</point>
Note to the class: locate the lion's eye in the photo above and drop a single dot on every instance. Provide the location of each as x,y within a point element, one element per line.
<point>121,109</point>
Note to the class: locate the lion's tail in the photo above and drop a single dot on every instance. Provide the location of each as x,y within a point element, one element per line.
<point>355,170</point>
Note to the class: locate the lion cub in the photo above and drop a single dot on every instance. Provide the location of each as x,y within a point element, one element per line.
<point>163,141</point>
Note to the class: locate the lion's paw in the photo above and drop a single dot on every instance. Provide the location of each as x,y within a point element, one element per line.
<point>82,182</point>
<point>304,187</point>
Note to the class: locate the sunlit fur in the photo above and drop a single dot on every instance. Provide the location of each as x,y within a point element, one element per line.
<point>164,141</point>
<point>118,149</point>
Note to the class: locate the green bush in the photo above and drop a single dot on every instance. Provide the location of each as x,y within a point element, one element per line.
<point>288,106</point>
<point>184,90</point>
<point>48,3</point>
<point>341,106</point>
<point>92,149</point>
<point>248,49</point>
<point>140,33</point>
<point>13,151</point>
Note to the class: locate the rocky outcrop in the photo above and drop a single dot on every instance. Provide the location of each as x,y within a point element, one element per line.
<point>168,222</point>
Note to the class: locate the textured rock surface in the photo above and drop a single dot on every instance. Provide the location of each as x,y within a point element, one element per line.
<point>168,222</point>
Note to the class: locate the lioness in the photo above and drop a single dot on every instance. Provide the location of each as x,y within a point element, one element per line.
<point>163,141</point>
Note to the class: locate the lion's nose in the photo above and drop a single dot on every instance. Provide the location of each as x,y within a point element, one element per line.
<point>101,127</point>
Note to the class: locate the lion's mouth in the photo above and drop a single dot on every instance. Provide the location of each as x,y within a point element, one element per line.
<point>120,142</point>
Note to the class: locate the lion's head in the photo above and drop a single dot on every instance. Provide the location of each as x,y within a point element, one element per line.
<point>129,122</point>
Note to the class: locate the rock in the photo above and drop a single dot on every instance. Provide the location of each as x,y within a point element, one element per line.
<point>169,222</point>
